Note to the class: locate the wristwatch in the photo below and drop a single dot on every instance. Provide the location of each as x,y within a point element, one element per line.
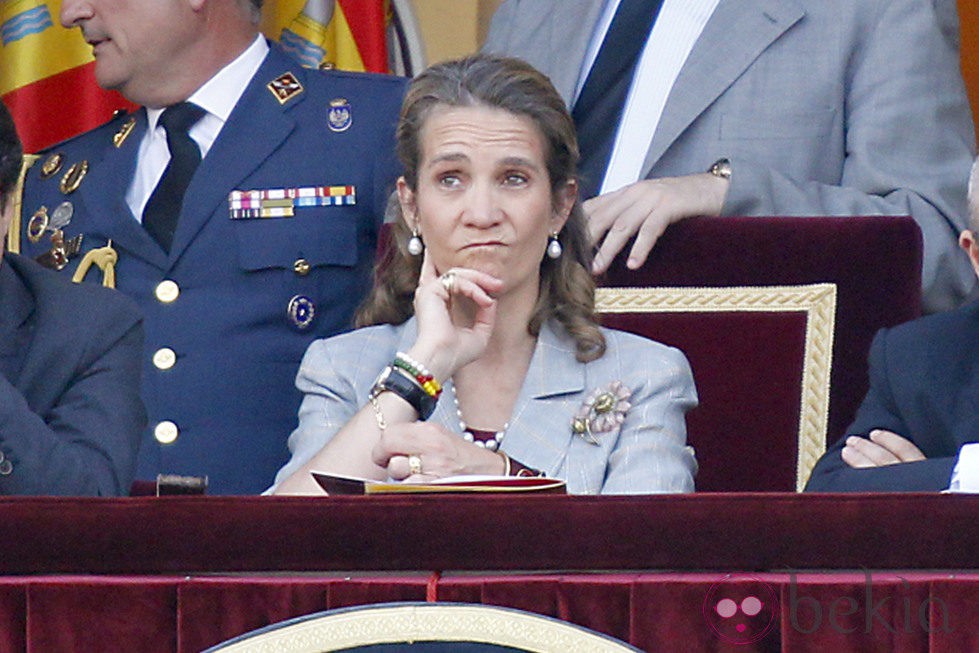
<point>721,168</point>
<point>393,379</point>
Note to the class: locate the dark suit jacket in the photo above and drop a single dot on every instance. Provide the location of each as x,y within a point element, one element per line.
<point>924,385</point>
<point>231,392</point>
<point>70,412</point>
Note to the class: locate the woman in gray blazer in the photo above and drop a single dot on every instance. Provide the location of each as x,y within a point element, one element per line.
<point>481,321</point>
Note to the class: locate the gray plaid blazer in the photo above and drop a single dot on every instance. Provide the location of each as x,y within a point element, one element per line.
<point>646,454</point>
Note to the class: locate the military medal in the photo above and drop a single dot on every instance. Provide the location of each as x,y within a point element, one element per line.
<point>301,311</point>
<point>52,165</point>
<point>285,87</point>
<point>61,215</point>
<point>120,136</point>
<point>61,251</point>
<point>37,225</point>
<point>339,115</point>
<point>73,178</point>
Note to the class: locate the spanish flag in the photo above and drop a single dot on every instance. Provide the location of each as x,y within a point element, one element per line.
<point>345,34</point>
<point>47,76</point>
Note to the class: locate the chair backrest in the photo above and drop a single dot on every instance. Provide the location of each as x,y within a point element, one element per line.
<point>427,627</point>
<point>750,345</point>
<point>761,358</point>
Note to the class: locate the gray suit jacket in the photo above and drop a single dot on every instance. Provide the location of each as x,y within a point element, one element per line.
<point>824,107</point>
<point>646,454</point>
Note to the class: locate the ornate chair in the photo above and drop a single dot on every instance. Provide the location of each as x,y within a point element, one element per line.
<point>776,316</point>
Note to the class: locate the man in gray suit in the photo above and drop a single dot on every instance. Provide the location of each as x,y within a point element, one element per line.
<point>771,107</point>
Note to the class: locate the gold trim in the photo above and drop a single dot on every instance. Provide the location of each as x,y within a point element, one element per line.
<point>13,231</point>
<point>818,301</point>
<point>418,622</point>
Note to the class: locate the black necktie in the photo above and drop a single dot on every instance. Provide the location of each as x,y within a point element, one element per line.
<point>597,111</point>
<point>163,207</point>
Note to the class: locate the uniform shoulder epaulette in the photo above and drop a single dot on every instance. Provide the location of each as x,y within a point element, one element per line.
<point>119,118</point>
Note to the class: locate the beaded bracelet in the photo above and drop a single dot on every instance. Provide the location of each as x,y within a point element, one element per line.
<point>422,375</point>
<point>401,383</point>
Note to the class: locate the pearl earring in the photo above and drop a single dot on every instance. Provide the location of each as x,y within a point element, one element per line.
<point>554,248</point>
<point>415,244</point>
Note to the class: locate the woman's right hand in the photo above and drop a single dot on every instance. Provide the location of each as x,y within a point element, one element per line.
<point>455,313</point>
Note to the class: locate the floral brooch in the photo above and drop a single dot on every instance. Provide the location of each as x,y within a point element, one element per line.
<point>602,412</point>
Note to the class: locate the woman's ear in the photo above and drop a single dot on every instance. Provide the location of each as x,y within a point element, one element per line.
<point>564,201</point>
<point>409,210</point>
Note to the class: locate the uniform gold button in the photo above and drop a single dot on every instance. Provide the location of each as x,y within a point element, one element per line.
<point>166,432</point>
<point>164,358</point>
<point>301,267</point>
<point>167,291</point>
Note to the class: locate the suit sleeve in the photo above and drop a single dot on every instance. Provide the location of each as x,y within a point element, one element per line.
<point>86,444</point>
<point>909,143</point>
<point>651,453</point>
<point>879,410</point>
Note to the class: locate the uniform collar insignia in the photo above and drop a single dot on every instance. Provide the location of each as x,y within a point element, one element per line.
<point>285,87</point>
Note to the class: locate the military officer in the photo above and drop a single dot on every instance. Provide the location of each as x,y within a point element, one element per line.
<point>241,205</point>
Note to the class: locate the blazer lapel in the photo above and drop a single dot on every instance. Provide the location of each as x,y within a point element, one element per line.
<point>103,192</point>
<point>257,126</point>
<point>554,373</point>
<point>568,41</point>
<point>735,35</point>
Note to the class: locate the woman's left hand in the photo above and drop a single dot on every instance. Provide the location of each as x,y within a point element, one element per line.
<point>436,453</point>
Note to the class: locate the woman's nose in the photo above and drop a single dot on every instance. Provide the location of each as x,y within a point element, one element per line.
<point>483,209</point>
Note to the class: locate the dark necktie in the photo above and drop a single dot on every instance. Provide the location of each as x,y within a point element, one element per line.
<point>163,207</point>
<point>599,107</point>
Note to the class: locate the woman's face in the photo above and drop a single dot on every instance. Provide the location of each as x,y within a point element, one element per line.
<point>484,199</point>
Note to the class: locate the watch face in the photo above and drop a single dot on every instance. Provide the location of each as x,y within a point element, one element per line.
<point>380,382</point>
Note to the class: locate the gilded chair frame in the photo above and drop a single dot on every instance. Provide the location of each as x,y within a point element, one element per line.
<point>817,301</point>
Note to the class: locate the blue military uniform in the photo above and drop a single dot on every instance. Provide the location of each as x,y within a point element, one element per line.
<point>251,277</point>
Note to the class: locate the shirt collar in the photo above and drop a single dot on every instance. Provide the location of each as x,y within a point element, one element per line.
<point>219,95</point>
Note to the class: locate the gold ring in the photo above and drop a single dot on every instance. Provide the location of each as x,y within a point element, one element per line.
<point>448,281</point>
<point>415,464</point>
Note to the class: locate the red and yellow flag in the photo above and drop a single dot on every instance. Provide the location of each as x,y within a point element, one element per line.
<point>347,34</point>
<point>47,76</point>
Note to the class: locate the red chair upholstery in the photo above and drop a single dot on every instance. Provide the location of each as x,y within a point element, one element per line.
<point>748,364</point>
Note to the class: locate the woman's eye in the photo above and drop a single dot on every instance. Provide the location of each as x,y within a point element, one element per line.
<point>449,181</point>
<point>515,179</point>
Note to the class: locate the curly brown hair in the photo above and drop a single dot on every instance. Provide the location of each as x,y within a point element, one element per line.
<point>567,289</point>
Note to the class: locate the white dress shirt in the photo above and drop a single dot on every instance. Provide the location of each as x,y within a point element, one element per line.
<point>965,475</point>
<point>677,27</point>
<point>218,96</point>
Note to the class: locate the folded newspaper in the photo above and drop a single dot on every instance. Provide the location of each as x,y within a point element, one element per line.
<point>336,484</point>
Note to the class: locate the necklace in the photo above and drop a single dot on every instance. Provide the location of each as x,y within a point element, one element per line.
<point>492,444</point>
